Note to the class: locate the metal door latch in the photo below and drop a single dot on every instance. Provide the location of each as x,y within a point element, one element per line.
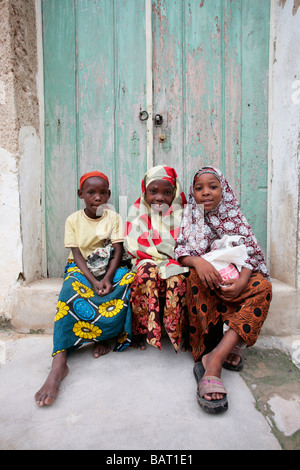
<point>158,119</point>
<point>143,116</point>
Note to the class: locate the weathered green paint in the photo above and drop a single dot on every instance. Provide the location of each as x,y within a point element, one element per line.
<point>168,80</point>
<point>111,91</point>
<point>203,57</point>
<point>254,121</point>
<point>210,67</point>
<point>60,125</point>
<point>210,77</point>
<point>94,56</point>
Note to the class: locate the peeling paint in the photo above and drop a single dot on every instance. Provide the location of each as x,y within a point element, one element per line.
<point>10,228</point>
<point>295,7</point>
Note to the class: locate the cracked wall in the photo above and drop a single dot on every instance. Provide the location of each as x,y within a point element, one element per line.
<point>284,142</point>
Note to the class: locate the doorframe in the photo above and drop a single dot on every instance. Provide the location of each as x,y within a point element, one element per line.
<point>270,103</point>
<point>41,99</point>
<point>149,81</point>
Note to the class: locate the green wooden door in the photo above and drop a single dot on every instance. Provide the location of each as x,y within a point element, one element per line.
<point>209,78</point>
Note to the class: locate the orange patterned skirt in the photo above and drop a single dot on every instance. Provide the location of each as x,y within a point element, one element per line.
<point>207,312</point>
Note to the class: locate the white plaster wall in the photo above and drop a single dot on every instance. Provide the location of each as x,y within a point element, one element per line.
<point>284,119</point>
<point>10,228</point>
<point>30,170</point>
<point>20,151</point>
<point>20,216</point>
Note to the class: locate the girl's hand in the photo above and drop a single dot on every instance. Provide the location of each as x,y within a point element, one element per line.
<point>103,287</point>
<point>97,286</point>
<point>208,275</point>
<point>234,287</point>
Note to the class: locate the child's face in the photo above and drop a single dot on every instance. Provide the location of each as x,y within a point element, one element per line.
<point>207,191</point>
<point>159,195</point>
<point>94,192</point>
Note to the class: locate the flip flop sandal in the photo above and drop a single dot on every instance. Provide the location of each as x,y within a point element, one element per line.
<point>236,350</point>
<point>209,384</point>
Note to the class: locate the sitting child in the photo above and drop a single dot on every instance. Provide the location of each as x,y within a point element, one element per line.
<point>150,235</point>
<point>241,303</point>
<point>91,307</point>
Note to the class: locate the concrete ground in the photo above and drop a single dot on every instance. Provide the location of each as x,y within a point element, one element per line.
<point>133,400</point>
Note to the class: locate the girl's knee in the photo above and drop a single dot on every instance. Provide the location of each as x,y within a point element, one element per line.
<point>261,285</point>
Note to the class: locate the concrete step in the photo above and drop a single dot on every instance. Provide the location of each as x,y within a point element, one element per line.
<point>33,306</point>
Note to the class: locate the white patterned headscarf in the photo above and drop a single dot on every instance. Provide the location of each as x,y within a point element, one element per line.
<point>199,229</point>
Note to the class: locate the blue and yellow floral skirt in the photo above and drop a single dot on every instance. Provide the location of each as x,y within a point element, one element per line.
<point>83,316</point>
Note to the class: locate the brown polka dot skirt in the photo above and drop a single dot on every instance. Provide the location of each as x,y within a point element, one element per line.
<point>207,312</point>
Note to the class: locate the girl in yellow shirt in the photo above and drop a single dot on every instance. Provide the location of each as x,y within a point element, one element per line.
<point>93,304</point>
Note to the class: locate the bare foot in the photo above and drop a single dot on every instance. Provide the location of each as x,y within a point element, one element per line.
<point>101,349</point>
<point>138,341</point>
<point>48,392</point>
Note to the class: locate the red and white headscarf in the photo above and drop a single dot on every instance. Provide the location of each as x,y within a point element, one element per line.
<point>151,237</point>
<point>199,229</point>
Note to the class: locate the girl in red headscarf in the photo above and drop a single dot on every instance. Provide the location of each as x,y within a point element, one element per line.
<point>93,304</point>
<point>150,235</point>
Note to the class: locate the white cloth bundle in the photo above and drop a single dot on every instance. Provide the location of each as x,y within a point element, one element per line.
<point>227,259</point>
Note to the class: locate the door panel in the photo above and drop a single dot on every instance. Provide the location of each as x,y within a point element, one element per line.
<point>130,86</point>
<point>111,92</point>
<point>95,91</point>
<point>210,67</point>
<point>60,125</point>
<point>94,73</point>
<point>203,71</point>
<point>254,110</point>
<point>168,89</point>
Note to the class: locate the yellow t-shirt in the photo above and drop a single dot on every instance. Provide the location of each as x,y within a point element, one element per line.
<point>88,234</point>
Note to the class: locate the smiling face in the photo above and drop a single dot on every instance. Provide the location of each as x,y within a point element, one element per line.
<point>94,192</point>
<point>207,191</point>
<point>159,195</point>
